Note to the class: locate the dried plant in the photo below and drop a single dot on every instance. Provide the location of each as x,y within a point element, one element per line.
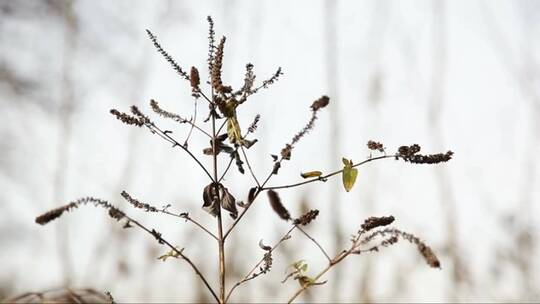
<point>223,102</point>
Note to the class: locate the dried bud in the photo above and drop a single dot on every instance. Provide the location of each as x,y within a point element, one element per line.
<point>127,119</point>
<point>286,152</point>
<point>49,216</point>
<point>307,218</point>
<point>320,103</point>
<point>409,153</point>
<point>251,195</point>
<point>373,145</point>
<point>374,222</point>
<point>116,213</point>
<point>429,256</point>
<point>194,80</point>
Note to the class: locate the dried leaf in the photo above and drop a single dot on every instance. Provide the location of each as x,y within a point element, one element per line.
<point>311,174</point>
<point>278,207</point>
<point>233,131</point>
<point>349,174</point>
<point>238,161</point>
<point>275,170</point>
<point>251,195</point>
<point>264,247</point>
<point>228,202</point>
<point>249,143</point>
<point>210,204</point>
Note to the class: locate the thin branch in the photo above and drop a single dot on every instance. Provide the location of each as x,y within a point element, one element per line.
<point>193,124</point>
<point>156,130</point>
<point>186,217</point>
<point>325,177</point>
<point>221,127</point>
<point>320,178</point>
<point>119,215</point>
<point>152,209</point>
<point>316,243</point>
<point>157,109</point>
<point>249,166</point>
<point>226,169</point>
<point>250,275</point>
<point>360,239</point>
<point>259,190</point>
<point>179,252</point>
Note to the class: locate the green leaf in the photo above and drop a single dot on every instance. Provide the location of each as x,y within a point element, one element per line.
<point>299,266</point>
<point>349,174</point>
<point>311,174</point>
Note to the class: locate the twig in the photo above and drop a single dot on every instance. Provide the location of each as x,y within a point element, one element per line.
<point>156,130</point>
<point>226,169</point>
<point>316,243</point>
<point>192,125</point>
<point>249,166</point>
<point>249,276</point>
<point>324,177</point>
<point>178,252</point>
<point>320,178</point>
<point>186,217</point>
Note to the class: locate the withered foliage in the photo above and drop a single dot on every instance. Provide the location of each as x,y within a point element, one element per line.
<point>213,194</point>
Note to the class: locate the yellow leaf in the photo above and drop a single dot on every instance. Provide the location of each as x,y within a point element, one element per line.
<point>230,108</point>
<point>233,130</point>
<point>311,174</point>
<point>170,254</point>
<point>349,174</point>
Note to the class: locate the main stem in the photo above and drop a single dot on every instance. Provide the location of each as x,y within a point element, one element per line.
<point>221,240</point>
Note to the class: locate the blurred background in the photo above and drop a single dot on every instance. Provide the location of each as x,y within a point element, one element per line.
<point>448,75</point>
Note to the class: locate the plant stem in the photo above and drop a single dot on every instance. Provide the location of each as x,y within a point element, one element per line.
<point>324,177</point>
<point>221,239</point>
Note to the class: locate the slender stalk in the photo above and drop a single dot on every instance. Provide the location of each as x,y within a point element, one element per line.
<point>155,129</point>
<point>226,170</point>
<point>316,243</point>
<point>249,166</point>
<point>324,177</point>
<point>179,252</point>
<point>221,239</point>
<point>249,276</point>
<point>189,219</point>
